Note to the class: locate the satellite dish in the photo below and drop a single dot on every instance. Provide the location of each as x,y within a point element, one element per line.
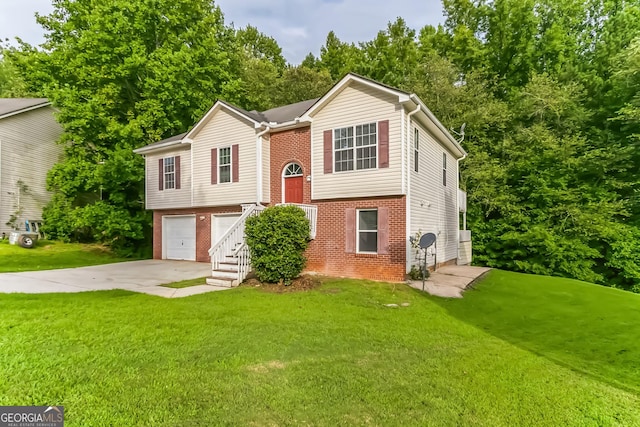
<point>427,240</point>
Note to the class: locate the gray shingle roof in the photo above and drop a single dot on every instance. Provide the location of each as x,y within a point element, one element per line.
<point>287,113</point>
<point>14,105</point>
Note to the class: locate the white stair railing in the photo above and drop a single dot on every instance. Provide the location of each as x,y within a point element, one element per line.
<point>311,211</point>
<point>233,240</point>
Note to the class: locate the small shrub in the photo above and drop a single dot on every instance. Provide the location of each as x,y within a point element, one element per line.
<point>277,239</point>
<point>416,273</point>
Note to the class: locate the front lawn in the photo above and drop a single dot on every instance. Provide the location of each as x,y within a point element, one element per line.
<point>49,255</point>
<point>331,356</point>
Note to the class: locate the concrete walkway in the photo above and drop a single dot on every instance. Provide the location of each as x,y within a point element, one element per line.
<point>450,281</point>
<point>138,276</point>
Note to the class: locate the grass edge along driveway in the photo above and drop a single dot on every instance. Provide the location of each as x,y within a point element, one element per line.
<point>332,356</point>
<point>51,255</point>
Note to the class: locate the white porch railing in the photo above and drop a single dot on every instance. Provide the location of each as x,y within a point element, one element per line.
<point>311,211</point>
<point>233,240</point>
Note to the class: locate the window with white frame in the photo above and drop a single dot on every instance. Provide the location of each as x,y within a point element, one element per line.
<point>367,231</point>
<point>416,149</point>
<point>444,169</point>
<point>224,165</point>
<point>169,166</point>
<point>359,154</point>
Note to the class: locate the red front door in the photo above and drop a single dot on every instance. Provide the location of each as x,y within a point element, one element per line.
<point>293,189</point>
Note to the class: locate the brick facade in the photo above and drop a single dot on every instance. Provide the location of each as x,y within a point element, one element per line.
<point>286,147</point>
<point>327,254</point>
<point>203,228</point>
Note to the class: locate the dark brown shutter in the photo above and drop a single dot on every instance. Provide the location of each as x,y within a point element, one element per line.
<point>383,144</point>
<point>235,163</point>
<point>177,163</point>
<point>350,231</point>
<point>383,231</point>
<point>328,152</point>
<point>214,166</point>
<point>160,174</point>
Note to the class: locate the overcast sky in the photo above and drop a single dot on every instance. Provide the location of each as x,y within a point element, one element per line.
<point>299,26</point>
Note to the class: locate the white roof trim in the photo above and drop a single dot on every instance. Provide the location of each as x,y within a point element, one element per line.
<point>341,85</point>
<point>204,120</point>
<point>163,146</point>
<point>24,110</point>
<point>438,124</point>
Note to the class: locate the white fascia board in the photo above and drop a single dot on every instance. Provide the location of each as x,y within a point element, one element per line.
<point>342,84</point>
<point>204,120</point>
<point>24,110</point>
<point>452,142</point>
<point>161,147</point>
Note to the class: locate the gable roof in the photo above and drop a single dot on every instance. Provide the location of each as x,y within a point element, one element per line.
<point>291,115</point>
<point>12,106</point>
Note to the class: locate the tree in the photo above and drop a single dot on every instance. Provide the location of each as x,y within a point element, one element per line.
<point>11,83</point>
<point>123,74</point>
<point>301,83</point>
<point>339,58</point>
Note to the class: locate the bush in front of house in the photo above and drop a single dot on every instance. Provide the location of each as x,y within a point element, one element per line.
<point>277,239</point>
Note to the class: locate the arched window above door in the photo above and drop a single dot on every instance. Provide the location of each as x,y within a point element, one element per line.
<point>293,169</point>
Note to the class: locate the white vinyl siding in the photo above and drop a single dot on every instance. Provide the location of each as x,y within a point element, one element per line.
<point>357,104</point>
<point>28,150</point>
<point>224,129</point>
<point>168,198</point>
<point>432,205</point>
<point>266,168</point>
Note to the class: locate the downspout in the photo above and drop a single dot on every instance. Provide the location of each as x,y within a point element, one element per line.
<point>464,214</point>
<point>259,164</point>
<point>408,198</point>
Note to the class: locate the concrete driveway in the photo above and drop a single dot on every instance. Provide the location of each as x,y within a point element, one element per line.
<point>137,276</point>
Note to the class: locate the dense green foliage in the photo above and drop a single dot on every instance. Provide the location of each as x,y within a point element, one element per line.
<point>548,89</point>
<point>518,351</point>
<point>277,239</point>
<point>549,94</point>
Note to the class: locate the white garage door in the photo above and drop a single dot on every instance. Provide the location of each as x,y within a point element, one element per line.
<point>220,225</point>
<point>179,235</point>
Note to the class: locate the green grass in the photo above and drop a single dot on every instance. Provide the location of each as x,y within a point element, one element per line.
<point>49,255</point>
<point>327,357</point>
<point>186,283</point>
<point>592,329</point>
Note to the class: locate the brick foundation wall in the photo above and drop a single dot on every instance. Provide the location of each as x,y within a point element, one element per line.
<point>203,228</point>
<point>290,146</point>
<point>326,254</point>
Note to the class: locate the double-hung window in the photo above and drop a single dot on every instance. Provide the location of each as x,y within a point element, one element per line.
<point>444,169</point>
<point>169,172</point>
<point>416,149</point>
<point>224,165</point>
<point>355,147</point>
<point>367,231</point>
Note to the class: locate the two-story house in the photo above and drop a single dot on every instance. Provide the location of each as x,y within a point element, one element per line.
<point>28,150</point>
<point>370,165</point>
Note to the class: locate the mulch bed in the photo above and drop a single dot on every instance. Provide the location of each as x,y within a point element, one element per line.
<point>301,284</point>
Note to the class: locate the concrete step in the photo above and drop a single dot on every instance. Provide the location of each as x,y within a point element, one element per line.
<point>227,282</point>
<point>229,266</point>
<point>223,273</point>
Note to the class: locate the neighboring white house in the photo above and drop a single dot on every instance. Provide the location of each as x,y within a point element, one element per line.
<point>28,149</point>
